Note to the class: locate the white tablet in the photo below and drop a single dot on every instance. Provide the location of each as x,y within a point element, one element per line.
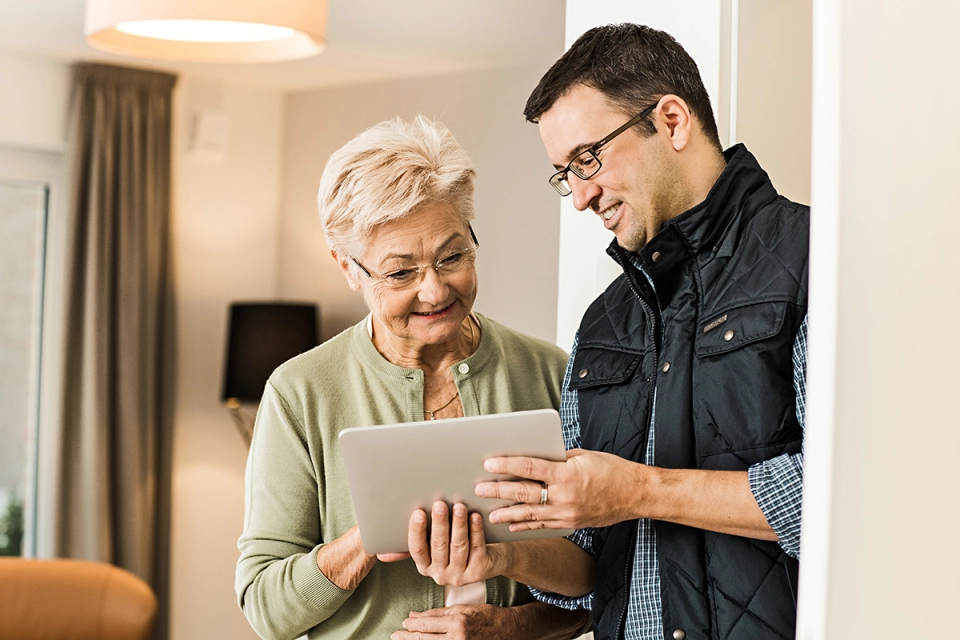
<point>397,468</point>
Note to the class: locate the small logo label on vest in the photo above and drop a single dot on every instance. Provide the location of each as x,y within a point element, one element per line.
<point>716,323</point>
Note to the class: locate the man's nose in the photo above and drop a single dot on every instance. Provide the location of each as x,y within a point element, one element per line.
<point>583,192</point>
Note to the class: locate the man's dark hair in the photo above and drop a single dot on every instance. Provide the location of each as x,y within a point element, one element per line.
<point>633,66</point>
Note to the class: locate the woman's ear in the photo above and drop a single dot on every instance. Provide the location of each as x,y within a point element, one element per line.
<point>675,113</point>
<point>344,264</point>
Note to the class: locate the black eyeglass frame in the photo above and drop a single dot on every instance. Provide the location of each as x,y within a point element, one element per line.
<point>559,180</point>
<point>372,276</point>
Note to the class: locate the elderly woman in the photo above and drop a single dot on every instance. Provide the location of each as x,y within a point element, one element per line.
<point>396,204</point>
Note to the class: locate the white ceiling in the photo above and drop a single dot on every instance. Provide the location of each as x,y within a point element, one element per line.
<point>368,40</point>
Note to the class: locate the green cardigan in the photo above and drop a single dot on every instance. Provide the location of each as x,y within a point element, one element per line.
<point>297,494</point>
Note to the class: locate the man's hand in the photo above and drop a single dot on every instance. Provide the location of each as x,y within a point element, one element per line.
<point>589,489</point>
<point>594,489</point>
<point>456,552</point>
<point>460,622</point>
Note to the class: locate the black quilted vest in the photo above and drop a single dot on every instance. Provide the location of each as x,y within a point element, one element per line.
<point>714,337</point>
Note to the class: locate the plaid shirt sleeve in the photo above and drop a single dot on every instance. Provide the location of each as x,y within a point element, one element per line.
<point>570,419</point>
<point>777,484</point>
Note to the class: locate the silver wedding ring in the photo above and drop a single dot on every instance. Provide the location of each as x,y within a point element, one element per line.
<point>543,493</point>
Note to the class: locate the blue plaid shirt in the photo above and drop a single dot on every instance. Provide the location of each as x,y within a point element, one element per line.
<point>777,486</point>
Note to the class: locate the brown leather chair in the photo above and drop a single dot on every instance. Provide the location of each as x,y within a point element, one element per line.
<point>58,599</point>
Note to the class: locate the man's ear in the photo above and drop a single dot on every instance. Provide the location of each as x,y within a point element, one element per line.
<point>676,115</point>
<point>344,263</point>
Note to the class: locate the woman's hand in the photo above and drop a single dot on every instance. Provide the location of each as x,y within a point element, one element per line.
<point>531,621</point>
<point>344,561</point>
<point>460,622</point>
<point>456,552</point>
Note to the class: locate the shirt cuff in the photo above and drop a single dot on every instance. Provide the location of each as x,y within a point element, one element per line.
<point>777,486</point>
<point>583,602</point>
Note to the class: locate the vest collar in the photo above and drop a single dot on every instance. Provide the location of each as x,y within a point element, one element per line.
<point>709,227</point>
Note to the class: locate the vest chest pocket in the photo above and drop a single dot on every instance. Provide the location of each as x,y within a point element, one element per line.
<point>597,366</point>
<point>743,402</point>
<point>613,400</point>
<point>739,327</point>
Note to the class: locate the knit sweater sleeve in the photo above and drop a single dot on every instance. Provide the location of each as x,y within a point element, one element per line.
<point>281,590</point>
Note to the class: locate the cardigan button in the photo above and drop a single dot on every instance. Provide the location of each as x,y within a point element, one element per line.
<point>679,634</point>
<point>728,336</point>
<point>583,373</point>
<point>655,256</point>
<point>464,368</point>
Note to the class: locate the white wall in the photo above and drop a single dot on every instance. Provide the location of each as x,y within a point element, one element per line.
<point>773,90</point>
<point>883,440</point>
<point>516,220</point>
<point>33,102</point>
<point>225,236</point>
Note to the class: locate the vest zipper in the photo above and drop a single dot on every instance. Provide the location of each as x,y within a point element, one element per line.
<point>630,273</point>
<point>627,582</point>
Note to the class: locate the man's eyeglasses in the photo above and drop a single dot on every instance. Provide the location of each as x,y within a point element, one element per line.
<point>586,164</point>
<point>409,277</point>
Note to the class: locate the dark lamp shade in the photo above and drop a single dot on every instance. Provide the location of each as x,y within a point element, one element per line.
<point>261,337</point>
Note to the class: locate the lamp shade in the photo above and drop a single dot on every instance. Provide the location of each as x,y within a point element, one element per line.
<point>208,30</point>
<point>262,336</point>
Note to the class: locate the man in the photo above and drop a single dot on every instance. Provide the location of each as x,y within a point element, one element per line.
<point>683,399</point>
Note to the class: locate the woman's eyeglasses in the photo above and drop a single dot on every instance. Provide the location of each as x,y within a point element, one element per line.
<point>408,277</point>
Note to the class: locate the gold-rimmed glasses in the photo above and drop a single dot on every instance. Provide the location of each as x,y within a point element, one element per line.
<point>410,276</point>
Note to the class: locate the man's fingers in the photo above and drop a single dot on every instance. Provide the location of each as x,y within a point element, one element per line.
<point>525,491</point>
<point>524,467</point>
<point>523,517</point>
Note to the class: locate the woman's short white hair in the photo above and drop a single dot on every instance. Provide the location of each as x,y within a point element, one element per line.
<point>391,170</point>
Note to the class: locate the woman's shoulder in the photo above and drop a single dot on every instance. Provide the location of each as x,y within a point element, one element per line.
<point>324,360</point>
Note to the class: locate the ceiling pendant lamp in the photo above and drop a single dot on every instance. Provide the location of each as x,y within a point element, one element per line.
<point>208,30</point>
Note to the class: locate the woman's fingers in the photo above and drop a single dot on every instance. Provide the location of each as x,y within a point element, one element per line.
<point>459,538</point>
<point>478,540</point>
<point>439,534</point>
<point>456,552</point>
<point>417,540</point>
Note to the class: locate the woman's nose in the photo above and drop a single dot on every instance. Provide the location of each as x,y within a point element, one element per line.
<point>432,287</point>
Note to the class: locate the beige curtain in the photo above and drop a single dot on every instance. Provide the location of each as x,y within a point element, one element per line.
<point>111,354</point>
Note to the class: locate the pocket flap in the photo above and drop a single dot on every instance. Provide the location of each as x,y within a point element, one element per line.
<point>594,366</point>
<point>737,327</point>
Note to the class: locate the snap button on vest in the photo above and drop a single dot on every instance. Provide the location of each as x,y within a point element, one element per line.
<point>728,336</point>
<point>666,367</point>
<point>655,256</point>
<point>679,634</point>
<point>583,373</point>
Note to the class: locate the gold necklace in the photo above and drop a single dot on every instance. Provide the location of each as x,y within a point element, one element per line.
<point>454,397</point>
<point>445,405</point>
